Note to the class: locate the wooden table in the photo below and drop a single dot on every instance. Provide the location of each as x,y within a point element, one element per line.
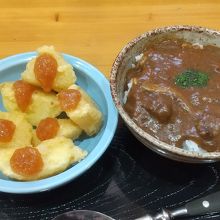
<point>94,30</point>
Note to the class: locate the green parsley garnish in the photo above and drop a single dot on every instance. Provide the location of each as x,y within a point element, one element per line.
<point>192,78</point>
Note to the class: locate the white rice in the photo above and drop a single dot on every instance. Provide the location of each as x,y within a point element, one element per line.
<point>197,46</point>
<point>133,65</point>
<point>127,92</point>
<point>139,57</point>
<point>193,147</point>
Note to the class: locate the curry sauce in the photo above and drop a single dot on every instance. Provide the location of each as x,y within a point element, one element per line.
<point>165,109</point>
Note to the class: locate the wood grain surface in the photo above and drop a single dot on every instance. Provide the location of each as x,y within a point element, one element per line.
<point>94,30</point>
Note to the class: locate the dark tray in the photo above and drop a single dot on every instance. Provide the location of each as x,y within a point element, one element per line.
<point>128,181</point>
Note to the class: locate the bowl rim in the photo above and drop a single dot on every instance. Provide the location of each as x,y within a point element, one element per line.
<point>143,134</point>
<point>36,186</point>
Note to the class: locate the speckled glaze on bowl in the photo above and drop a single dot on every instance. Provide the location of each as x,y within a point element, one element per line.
<point>124,61</point>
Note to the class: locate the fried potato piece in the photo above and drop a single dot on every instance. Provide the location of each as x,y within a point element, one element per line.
<point>67,129</point>
<point>57,154</point>
<point>43,104</point>
<point>65,73</point>
<point>23,131</point>
<point>86,115</point>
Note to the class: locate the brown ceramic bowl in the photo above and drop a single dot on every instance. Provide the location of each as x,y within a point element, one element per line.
<point>124,61</point>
